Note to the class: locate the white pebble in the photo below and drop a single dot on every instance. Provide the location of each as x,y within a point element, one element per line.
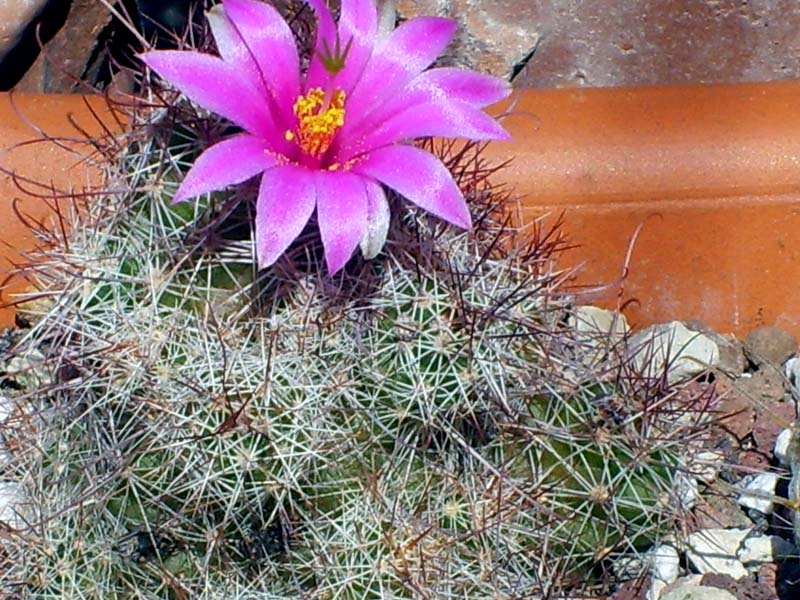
<point>656,589</point>
<point>6,408</point>
<point>686,491</point>
<point>705,465</point>
<point>792,371</point>
<point>715,551</point>
<point>11,497</point>
<point>698,592</point>
<point>664,569</point>
<point>683,352</point>
<point>782,446</point>
<point>762,549</point>
<point>759,492</point>
<point>665,563</point>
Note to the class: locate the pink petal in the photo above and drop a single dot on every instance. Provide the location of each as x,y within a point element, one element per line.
<point>420,177</point>
<point>448,119</point>
<point>230,44</point>
<point>285,203</point>
<point>406,52</point>
<point>438,86</point>
<point>462,85</point>
<point>235,52</point>
<point>215,85</point>
<point>228,162</point>
<point>270,41</point>
<point>444,119</point>
<point>342,215</point>
<point>378,219</point>
<point>358,22</point>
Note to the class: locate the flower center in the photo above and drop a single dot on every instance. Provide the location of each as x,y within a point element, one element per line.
<point>319,117</point>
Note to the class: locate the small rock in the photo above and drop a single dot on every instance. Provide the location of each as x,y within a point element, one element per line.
<point>656,589</point>
<point>598,330</point>
<point>629,566</point>
<point>631,589</point>
<point>11,496</point>
<point>764,386</point>
<point>792,371</point>
<point>705,465</point>
<point>690,579</point>
<point>685,492</point>
<point>767,578</point>
<point>759,492</point>
<point>32,310</point>
<point>7,410</point>
<point>737,411</point>
<point>717,509</point>
<point>715,551</point>
<point>74,51</point>
<point>698,592</point>
<point>769,346</point>
<point>593,321</point>
<point>744,588</point>
<point>684,353</point>
<point>782,446</point>
<point>28,370</point>
<point>762,549</point>
<point>732,361</point>
<point>665,564</point>
<point>771,420</point>
<point>492,37</point>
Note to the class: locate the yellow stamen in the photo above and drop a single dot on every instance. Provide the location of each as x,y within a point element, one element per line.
<point>319,117</point>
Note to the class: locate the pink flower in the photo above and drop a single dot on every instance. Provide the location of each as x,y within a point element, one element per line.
<point>329,138</point>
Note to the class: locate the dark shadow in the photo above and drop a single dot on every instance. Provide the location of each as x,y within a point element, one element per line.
<point>115,49</point>
<point>161,20</point>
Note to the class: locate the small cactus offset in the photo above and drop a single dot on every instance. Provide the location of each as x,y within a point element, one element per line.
<point>419,425</point>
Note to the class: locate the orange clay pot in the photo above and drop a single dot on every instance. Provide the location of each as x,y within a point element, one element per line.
<point>711,175</point>
<point>37,166</point>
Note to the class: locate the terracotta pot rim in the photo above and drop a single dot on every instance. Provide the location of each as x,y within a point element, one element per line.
<point>712,171</point>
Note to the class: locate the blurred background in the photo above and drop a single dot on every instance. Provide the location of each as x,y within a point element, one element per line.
<point>537,43</point>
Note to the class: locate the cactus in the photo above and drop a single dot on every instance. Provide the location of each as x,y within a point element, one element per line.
<point>421,425</point>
